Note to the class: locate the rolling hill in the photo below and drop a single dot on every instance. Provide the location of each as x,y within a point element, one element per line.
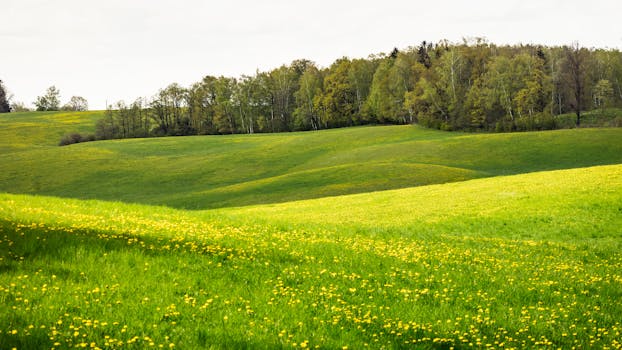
<point>521,261</point>
<point>221,171</point>
<point>371,237</point>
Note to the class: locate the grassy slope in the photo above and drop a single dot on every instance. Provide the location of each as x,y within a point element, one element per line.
<point>560,206</point>
<point>25,131</point>
<point>609,117</point>
<point>522,261</point>
<point>223,171</point>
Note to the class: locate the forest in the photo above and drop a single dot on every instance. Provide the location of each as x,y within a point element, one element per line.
<point>473,85</point>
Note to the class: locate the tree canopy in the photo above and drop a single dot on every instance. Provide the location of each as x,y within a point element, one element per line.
<point>50,101</point>
<point>76,103</point>
<point>472,85</point>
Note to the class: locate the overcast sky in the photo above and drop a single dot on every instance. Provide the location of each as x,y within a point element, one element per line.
<point>113,50</point>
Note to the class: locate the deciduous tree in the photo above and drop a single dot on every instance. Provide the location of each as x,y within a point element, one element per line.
<point>338,101</point>
<point>76,103</point>
<point>575,76</point>
<point>17,106</point>
<point>603,92</point>
<point>50,101</point>
<point>307,115</point>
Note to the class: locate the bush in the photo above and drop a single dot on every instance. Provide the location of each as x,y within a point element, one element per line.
<point>69,139</point>
<point>545,121</point>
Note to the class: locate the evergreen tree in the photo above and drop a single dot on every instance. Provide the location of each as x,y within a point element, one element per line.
<point>4,100</point>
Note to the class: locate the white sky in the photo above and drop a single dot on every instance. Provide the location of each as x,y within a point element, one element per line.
<point>109,50</point>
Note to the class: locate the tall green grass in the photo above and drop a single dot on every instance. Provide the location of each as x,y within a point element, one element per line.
<point>527,261</point>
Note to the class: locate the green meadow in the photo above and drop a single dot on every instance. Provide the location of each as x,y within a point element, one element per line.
<point>203,172</point>
<point>371,237</point>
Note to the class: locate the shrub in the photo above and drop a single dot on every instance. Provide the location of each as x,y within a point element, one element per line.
<point>75,137</point>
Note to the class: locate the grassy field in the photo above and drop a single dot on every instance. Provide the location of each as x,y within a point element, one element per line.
<point>28,130</point>
<point>224,171</point>
<point>523,261</point>
<point>445,240</point>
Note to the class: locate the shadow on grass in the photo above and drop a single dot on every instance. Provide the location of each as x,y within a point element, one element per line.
<point>65,253</point>
<point>38,339</point>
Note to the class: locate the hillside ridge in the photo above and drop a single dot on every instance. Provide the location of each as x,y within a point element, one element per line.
<point>199,172</point>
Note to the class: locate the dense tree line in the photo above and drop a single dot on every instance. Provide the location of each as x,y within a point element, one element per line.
<point>473,85</point>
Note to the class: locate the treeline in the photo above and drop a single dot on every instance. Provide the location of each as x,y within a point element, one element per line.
<point>48,102</point>
<point>51,102</point>
<point>473,85</point>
